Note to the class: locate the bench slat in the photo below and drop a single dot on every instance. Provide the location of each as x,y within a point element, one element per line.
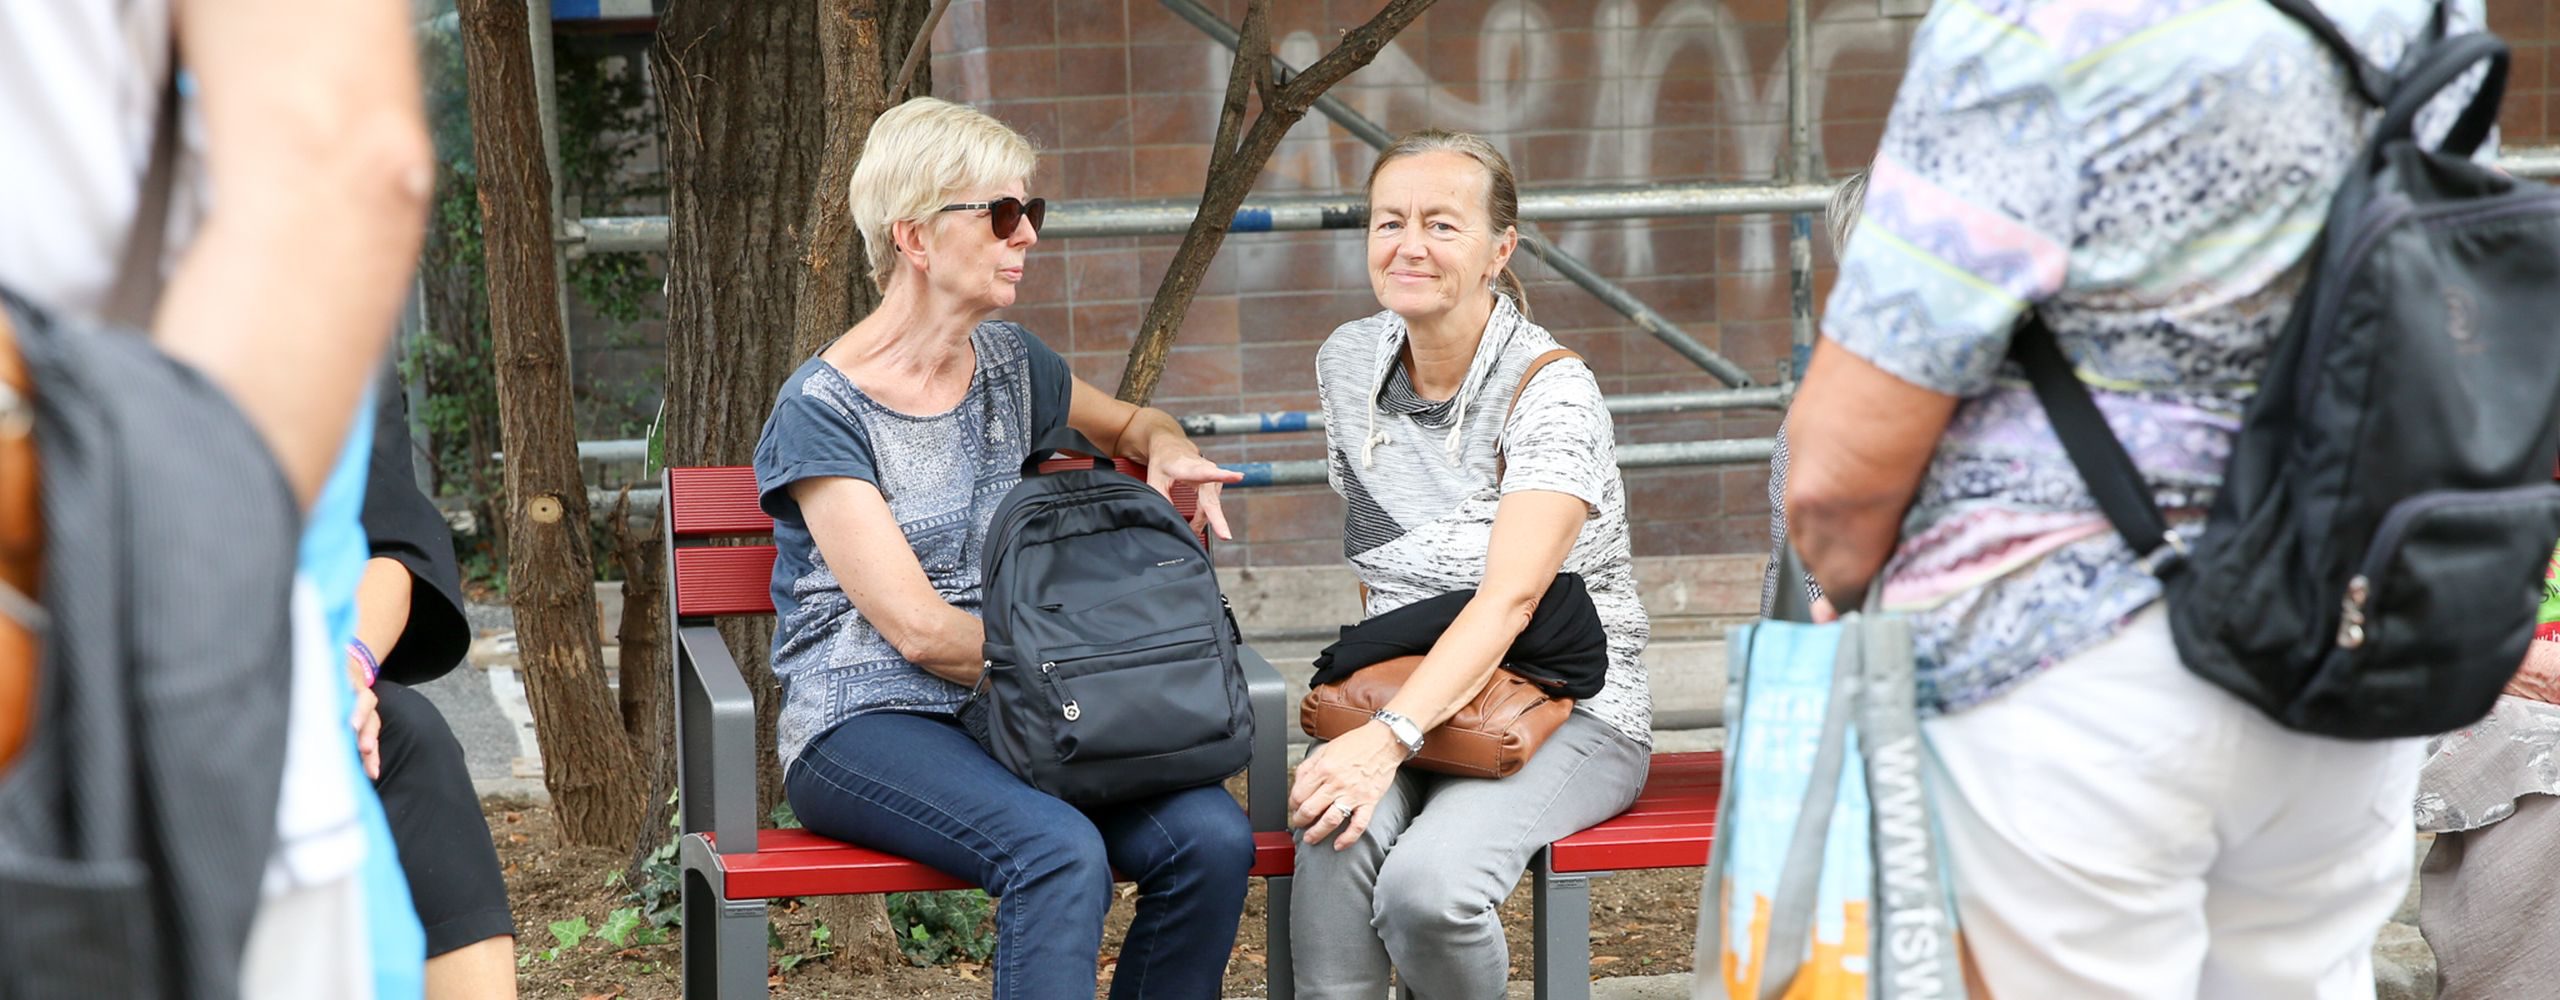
<point>714,502</point>
<point>724,580</point>
<point>1669,847</point>
<point>800,863</point>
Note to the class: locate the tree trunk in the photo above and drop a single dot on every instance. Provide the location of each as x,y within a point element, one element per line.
<point>648,677</point>
<point>743,141</point>
<point>835,288</point>
<point>648,716</point>
<point>862,43</point>
<point>588,765</point>
<point>1234,164</point>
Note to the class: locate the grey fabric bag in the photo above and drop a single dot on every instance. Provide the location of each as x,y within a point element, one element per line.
<point>136,824</point>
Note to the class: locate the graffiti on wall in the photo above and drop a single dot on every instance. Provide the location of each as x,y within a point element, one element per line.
<point>1519,55</point>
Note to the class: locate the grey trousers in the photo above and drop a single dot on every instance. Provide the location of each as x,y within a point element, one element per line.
<point>1417,892</point>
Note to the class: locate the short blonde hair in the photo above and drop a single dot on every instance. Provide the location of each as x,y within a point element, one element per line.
<point>921,155</point>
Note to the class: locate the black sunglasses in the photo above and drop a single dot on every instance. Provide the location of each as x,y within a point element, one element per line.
<point>1004,213</point>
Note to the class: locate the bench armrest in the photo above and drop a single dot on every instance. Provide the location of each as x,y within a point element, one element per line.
<point>715,741</point>
<point>1266,782</point>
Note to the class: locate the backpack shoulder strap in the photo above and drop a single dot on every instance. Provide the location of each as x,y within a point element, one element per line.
<point>2370,80</point>
<point>1501,461</point>
<point>2114,481</point>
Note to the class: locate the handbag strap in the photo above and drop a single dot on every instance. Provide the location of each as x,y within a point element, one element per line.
<point>1501,462</point>
<point>2114,481</point>
<point>135,293</point>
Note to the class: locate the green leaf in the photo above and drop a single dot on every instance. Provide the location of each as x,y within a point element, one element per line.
<point>569,932</point>
<point>619,926</point>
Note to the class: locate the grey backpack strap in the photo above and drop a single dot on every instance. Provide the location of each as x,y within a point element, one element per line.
<point>135,294</point>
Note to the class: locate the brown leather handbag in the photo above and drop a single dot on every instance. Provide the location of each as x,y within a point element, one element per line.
<point>1493,735</point>
<point>21,547</point>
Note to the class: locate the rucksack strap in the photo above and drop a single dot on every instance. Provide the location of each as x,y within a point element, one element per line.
<point>2114,481</point>
<point>2428,73</point>
<point>1502,461</point>
<point>2434,63</point>
<point>2370,81</point>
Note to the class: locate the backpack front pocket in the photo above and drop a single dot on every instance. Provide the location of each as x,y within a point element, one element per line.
<point>2437,616</point>
<point>1156,695</point>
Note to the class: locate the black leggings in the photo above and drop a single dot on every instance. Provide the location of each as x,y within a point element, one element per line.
<point>436,823</point>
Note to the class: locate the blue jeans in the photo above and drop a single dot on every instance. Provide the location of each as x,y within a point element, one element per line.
<point>919,787</point>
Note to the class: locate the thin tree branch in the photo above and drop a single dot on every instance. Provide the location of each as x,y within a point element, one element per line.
<point>915,53</point>
<point>1359,46</point>
<point>1235,164</point>
<point>1253,51</point>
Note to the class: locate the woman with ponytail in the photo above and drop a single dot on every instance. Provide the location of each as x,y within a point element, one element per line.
<point>1451,487</point>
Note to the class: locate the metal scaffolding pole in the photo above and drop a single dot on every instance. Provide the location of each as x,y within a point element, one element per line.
<point>1747,451</point>
<point>2541,162</point>
<point>1298,213</point>
<point>1303,213</point>
<point>1257,475</point>
<point>1571,267</point>
<point>1801,169</point>
<point>1772,397</point>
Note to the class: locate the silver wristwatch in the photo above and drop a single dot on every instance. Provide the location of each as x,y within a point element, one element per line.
<point>1406,731</point>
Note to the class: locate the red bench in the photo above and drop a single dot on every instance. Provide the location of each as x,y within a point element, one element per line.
<point>731,868</point>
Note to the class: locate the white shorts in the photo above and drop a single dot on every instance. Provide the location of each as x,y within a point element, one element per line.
<point>2118,827</point>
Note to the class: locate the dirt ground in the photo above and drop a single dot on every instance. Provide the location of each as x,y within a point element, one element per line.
<point>1641,924</point>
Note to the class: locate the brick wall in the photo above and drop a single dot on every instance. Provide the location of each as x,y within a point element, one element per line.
<point>1122,95</point>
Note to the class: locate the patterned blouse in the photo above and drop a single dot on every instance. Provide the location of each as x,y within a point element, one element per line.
<point>2150,174</point>
<point>943,476</point>
<point>1419,489</point>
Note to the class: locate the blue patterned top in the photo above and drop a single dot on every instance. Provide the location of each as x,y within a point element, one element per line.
<point>943,476</point>
<point>2150,173</point>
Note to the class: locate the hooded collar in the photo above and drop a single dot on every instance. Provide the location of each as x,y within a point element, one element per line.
<point>1499,328</point>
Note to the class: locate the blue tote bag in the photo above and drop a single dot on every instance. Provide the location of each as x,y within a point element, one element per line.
<point>1826,881</point>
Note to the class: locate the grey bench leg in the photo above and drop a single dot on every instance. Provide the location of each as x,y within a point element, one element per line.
<point>724,944</point>
<point>1281,983</point>
<point>1560,916</point>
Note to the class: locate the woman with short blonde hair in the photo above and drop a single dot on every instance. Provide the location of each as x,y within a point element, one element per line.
<point>884,459</point>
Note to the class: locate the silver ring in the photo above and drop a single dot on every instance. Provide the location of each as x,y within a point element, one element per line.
<point>1345,808</point>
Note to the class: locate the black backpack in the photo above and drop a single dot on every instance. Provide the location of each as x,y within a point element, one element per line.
<point>2373,563</point>
<point>1111,670</point>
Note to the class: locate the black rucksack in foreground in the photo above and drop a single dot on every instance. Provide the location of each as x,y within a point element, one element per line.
<point>1111,670</point>
<point>2372,565</point>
